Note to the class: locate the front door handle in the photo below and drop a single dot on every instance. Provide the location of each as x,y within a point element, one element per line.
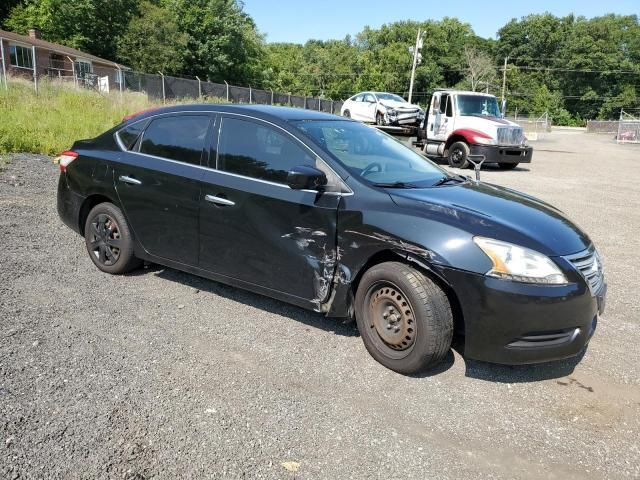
<point>130,180</point>
<point>219,200</point>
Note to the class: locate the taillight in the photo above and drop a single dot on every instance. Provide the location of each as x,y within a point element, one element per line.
<point>133,115</point>
<point>64,159</point>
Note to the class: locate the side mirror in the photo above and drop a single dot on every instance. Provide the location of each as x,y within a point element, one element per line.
<point>304,177</point>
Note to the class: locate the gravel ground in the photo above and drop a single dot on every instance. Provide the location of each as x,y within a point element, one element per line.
<point>163,374</point>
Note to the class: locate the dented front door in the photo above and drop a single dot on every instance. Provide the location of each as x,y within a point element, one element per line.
<point>269,235</point>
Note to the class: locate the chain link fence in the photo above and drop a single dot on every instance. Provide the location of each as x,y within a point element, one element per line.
<point>535,128</point>
<point>169,89</point>
<point>628,128</point>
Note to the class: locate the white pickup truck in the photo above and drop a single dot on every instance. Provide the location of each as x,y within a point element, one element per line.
<point>461,123</point>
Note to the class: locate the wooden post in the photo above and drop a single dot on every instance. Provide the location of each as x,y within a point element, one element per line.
<point>35,71</point>
<point>225,82</point>
<point>199,88</point>
<point>164,98</point>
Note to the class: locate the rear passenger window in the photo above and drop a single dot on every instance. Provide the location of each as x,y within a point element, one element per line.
<point>180,137</point>
<point>259,151</point>
<point>130,134</point>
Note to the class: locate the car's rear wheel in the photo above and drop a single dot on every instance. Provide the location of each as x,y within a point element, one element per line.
<point>379,118</point>
<point>109,241</point>
<point>347,114</point>
<point>507,166</point>
<point>458,155</point>
<point>404,318</point>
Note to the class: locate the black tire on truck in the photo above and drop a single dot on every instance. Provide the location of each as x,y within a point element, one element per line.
<point>458,155</point>
<point>404,318</point>
<point>507,166</point>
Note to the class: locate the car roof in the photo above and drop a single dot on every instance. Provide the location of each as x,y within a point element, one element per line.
<point>266,112</point>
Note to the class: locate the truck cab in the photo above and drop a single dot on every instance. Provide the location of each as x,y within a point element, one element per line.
<point>462,123</point>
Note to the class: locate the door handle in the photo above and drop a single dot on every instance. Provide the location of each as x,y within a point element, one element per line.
<point>219,200</point>
<point>130,180</point>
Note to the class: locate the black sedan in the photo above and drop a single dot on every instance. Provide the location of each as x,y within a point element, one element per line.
<point>335,216</point>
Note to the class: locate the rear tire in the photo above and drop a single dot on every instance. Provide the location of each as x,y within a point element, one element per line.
<point>458,155</point>
<point>109,240</point>
<point>404,318</point>
<point>507,166</point>
<point>346,114</point>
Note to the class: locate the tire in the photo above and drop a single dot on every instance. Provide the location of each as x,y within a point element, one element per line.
<point>379,119</point>
<point>346,114</point>
<point>109,241</point>
<point>458,155</point>
<point>416,334</point>
<point>507,166</point>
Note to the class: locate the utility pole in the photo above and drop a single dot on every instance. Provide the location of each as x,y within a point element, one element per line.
<point>504,86</point>
<point>417,58</point>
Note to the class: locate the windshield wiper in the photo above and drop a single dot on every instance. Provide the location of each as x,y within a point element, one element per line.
<point>451,179</point>
<point>396,185</point>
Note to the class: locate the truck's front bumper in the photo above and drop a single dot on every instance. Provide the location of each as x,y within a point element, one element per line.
<point>500,154</point>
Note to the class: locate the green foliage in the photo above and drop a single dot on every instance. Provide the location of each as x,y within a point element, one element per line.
<point>223,42</point>
<point>63,116</point>
<point>152,41</point>
<point>89,25</point>
<point>572,67</point>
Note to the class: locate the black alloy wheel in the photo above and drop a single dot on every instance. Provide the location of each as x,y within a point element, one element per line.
<point>109,240</point>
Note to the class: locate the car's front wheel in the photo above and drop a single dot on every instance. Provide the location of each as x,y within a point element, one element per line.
<point>404,318</point>
<point>109,241</point>
<point>379,118</point>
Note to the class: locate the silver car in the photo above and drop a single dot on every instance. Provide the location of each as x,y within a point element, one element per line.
<point>382,109</point>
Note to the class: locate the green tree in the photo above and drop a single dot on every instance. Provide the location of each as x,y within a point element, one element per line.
<point>223,42</point>
<point>152,41</point>
<point>89,25</point>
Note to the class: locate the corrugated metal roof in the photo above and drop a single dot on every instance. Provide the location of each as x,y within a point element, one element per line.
<point>54,47</point>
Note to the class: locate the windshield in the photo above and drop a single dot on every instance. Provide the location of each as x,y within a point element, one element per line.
<point>371,154</point>
<point>390,96</point>
<point>478,105</point>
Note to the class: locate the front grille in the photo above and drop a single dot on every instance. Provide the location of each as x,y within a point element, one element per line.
<point>510,136</point>
<point>588,264</point>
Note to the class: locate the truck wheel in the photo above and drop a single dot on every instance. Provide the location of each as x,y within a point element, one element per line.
<point>403,317</point>
<point>379,118</point>
<point>458,154</point>
<point>507,166</point>
<point>347,114</point>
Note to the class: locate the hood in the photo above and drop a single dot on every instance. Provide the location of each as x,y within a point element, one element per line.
<point>398,105</point>
<point>497,212</point>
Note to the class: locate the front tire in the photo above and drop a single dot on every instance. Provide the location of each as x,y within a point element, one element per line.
<point>109,240</point>
<point>404,318</point>
<point>379,119</point>
<point>458,155</point>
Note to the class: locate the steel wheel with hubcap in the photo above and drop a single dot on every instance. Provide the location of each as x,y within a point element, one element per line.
<point>404,318</point>
<point>109,240</point>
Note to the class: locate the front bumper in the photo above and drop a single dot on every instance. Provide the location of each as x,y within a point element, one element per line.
<point>515,323</point>
<point>500,154</point>
<point>401,118</point>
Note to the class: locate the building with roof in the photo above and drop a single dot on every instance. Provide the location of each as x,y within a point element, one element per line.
<point>31,56</point>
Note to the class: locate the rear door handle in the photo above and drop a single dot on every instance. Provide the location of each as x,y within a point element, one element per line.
<point>130,180</point>
<point>219,200</point>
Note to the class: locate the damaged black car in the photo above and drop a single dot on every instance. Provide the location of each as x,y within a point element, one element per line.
<point>335,216</point>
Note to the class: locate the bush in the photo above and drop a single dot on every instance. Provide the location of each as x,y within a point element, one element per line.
<point>51,121</point>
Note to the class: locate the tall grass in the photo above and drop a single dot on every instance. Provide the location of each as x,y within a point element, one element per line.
<point>59,114</point>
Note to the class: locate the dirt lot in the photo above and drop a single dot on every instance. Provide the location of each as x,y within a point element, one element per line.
<point>163,374</point>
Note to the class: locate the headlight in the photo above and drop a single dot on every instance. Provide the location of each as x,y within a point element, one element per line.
<point>511,262</point>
